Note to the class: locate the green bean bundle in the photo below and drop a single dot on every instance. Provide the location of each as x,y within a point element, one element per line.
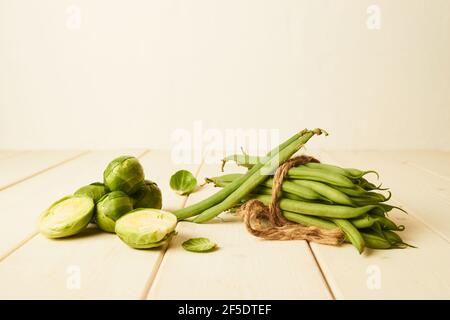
<point>255,178</point>
<point>328,197</point>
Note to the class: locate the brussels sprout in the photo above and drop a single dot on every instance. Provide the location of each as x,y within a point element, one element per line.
<point>66,217</point>
<point>110,208</point>
<point>125,174</point>
<point>148,196</point>
<point>146,228</point>
<point>94,190</point>
<point>183,182</point>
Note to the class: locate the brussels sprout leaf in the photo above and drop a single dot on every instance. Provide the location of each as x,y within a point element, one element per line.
<point>183,182</point>
<point>199,245</point>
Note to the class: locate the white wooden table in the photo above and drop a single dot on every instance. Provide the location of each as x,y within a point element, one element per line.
<point>98,265</point>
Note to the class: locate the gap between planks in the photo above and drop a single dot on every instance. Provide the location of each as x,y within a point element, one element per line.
<point>402,202</point>
<point>36,232</point>
<point>322,274</point>
<point>44,170</point>
<point>399,202</point>
<point>154,272</point>
<point>161,281</point>
<point>12,154</point>
<point>323,257</point>
<point>18,245</point>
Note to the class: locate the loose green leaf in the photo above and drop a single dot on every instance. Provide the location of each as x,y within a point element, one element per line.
<point>199,245</point>
<point>183,182</point>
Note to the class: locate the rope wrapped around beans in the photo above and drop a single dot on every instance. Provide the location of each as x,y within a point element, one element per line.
<point>268,222</point>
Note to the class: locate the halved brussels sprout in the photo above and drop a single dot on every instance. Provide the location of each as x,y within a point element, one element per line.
<point>66,217</point>
<point>125,174</point>
<point>146,228</point>
<point>148,196</point>
<point>110,208</point>
<point>94,190</point>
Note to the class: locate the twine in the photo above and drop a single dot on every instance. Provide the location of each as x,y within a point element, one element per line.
<point>269,223</point>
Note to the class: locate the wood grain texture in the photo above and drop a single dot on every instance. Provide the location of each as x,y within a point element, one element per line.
<point>425,194</point>
<point>28,164</point>
<point>420,273</point>
<point>21,204</point>
<point>9,153</point>
<point>107,268</point>
<point>433,162</point>
<point>243,267</point>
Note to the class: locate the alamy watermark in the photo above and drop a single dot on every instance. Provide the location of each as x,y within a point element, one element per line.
<point>73,280</point>
<point>73,17</point>
<point>373,21</point>
<point>373,281</point>
<point>201,144</point>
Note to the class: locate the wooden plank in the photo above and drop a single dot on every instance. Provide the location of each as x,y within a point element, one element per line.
<point>9,153</point>
<point>426,194</point>
<point>28,164</point>
<point>420,273</point>
<point>433,162</point>
<point>244,267</point>
<point>106,267</point>
<point>20,216</point>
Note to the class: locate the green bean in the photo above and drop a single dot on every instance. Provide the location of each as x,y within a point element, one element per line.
<point>267,191</point>
<point>387,224</point>
<point>287,186</point>
<point>392,237</point>
<point>348,172</point>
<point>354,191</point>
<point>224,179</point>
<point>388,207</point>
<point>243,160</point>
<point>371,239</point>
<point>364,202</point>
<point>370,198</point>
<point>358,192</point>
<point>255,178</point>
<point>249,161</point>
<point>374,241</point>
<point>302,191</point>
<point>365,221</point>
<point>309,220</point>
<point>356,173</point>
<point>378,211</point>
<point>326,191</point>
<point>261,189</point>
<point>373,196</point>
<point>377,228</point>
<point>317,209</point>
<point>352,233</point>
<point>368,186</point>
<point>395,240</point>
<point>304,173</point>
<point>216,198</point>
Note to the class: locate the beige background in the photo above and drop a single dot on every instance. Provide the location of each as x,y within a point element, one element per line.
<point>136,70</point>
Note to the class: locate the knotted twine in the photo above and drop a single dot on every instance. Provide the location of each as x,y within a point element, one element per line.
<point>269,223</point>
